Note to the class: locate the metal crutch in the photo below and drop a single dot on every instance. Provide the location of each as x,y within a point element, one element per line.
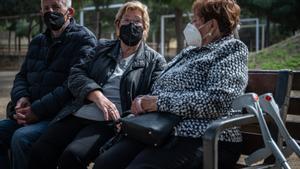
<point>268,105</point>
<point>250,102</point>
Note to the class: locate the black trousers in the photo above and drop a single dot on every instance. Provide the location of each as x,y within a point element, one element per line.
<point>178,153</point>
<point>70,143</point>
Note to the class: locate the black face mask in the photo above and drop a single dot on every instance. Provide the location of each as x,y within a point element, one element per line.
<point>54,20</point>
<point>131,34</point>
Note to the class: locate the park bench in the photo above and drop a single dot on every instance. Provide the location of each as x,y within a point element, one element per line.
<point>283,85</point>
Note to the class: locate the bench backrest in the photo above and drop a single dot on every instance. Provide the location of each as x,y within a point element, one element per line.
<point>293,119</point>
<point>262,81</point>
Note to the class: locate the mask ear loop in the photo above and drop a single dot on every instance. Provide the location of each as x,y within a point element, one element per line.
<point>190,17</point>
<point>208,34</point>
<point>68,18</point>
<point>67,12</point>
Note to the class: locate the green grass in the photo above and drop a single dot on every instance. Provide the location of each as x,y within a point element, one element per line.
<point>283,55</point>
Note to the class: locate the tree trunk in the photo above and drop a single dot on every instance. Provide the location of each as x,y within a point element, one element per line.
<point>41,24</point>
<point>16,43</point>
<point>267,37</point>
<point>98,25</point>
<point>158,40</point>
<point>179,29</point>
<point>9,41</point>
<point>19,44</point>
<point>29,31</point>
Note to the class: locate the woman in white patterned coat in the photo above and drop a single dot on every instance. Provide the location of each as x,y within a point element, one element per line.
<point>199,86</point>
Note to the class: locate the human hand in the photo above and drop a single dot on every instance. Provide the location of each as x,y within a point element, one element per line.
<point>25,116</point>
<point>20,113</point>
<point>30,117</point>
<point>136,106</point>
<point>20,118</point>
<point>22,102</point>
<point>108,108</point>
<point>144,103</point>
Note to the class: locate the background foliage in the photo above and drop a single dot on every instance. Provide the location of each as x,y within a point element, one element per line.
<point>21,18</point>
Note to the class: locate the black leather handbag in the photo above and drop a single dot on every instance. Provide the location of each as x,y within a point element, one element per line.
<point>150,128</point>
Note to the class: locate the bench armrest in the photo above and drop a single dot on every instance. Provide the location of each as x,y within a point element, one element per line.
<point>211,135</point>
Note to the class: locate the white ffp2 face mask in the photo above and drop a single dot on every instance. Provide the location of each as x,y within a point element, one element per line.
<point>192,35</point>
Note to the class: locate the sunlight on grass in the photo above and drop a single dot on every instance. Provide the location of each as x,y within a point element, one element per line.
<point>284,55</point>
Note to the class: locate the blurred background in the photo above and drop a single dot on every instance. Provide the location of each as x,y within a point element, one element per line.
<point>263,23</point>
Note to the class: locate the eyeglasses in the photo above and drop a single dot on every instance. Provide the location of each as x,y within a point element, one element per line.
<point>137,22</point>
<point>53,7</point>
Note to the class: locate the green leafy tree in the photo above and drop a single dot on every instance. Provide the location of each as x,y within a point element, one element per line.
<point>285,12</point>
<point>97,4</point>
<point>13,10</point>
<point>288,14</point>
<point>178,7</point>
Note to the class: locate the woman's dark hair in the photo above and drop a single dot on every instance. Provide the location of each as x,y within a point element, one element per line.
<point>225,12</point>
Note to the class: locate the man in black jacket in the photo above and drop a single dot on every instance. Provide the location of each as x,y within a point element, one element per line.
<point>40,88</point>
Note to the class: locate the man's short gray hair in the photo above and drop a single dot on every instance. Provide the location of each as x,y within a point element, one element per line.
<point>68,3</point>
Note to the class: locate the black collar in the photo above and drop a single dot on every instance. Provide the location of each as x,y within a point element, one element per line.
<point>63,35</point>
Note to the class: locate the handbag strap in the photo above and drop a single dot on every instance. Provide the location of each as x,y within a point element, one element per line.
<point>118,136</point>
<point>112,141</point>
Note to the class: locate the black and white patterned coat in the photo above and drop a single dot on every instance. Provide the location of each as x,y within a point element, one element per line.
<point>200,84</point>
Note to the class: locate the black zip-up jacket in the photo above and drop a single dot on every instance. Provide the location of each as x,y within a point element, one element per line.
<point>92,74</point>
<point>43,75</point>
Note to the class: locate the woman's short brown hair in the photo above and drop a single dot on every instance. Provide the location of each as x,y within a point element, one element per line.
<point>133,5</point>
<point>226,12</point>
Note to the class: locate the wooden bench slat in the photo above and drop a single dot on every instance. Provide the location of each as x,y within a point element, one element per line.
<point>296,80</point>
<point>294,106</point>
<point>294,129</point>
<point>254,127</point>
<point>293,118</point>
<point>261,83</point>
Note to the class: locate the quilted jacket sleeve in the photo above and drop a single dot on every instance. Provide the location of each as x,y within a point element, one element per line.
<point>20,85</point>
<point>50,104</point>
<point>227,78</point>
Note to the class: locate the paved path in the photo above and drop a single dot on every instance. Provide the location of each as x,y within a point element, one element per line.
<point>6,81</point>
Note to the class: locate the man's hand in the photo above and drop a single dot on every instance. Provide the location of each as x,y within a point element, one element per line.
<point>31,118</point>
<point>20,118</point>
<point>108,108</point>
<point>21,111</point>
<point>25,116</point>
<point>143,104</point>
<point>22,102</point>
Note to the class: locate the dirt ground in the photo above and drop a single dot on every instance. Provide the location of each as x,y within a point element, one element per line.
<point>3,102</point>
<point>6,80</point>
